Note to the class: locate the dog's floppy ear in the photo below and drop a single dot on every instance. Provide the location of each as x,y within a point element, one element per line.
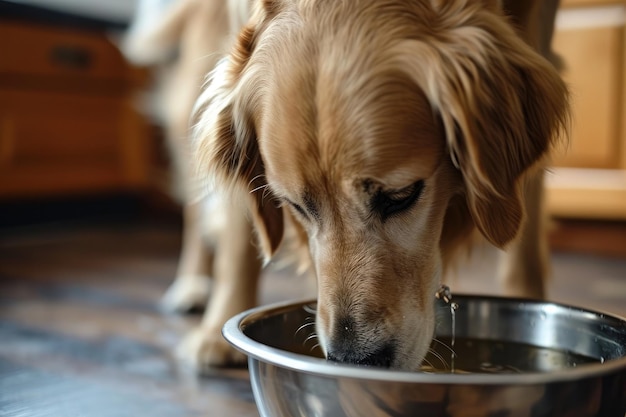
<point>502,105</point>
<point>225,145</point>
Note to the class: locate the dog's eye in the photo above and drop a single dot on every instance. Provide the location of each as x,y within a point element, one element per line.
<point>298,208</point>
<point>308,210</point>
<point>389,203</point>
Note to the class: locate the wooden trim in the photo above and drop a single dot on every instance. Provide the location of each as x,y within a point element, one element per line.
<point>578,3</point>
<point>621,151</point>
<point>586,193</point>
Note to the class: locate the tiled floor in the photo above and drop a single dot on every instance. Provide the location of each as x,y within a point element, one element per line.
<point>81,333</point>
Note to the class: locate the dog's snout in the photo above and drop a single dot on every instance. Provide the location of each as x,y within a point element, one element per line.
<point>382,357</point>
<point>349,345</point>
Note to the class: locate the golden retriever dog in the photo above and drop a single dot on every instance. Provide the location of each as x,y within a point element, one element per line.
<point>383,132</point>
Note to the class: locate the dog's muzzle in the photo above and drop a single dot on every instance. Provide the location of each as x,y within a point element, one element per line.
<point>345,347</point>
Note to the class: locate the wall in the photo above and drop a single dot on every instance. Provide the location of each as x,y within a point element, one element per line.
<point>118,10</point>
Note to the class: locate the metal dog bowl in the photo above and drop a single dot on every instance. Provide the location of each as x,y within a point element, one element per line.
<point>514,358</point>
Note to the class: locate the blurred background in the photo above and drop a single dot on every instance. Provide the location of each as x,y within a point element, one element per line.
<point>89,235</point>
<point>69,120</point>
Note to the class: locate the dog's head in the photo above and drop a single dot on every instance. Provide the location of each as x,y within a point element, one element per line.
<point>365,120</point>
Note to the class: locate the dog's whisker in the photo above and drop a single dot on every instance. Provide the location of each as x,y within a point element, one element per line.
<point>255,178</point>
<point>438,356</point>
<point>312,336</point>
<point>445,345</point>
<point>315,346</point>
<point>206,56</point>
<point>265,193</point>
<point>304,326</point>
<point>260,187</point>
<point>429,363</point>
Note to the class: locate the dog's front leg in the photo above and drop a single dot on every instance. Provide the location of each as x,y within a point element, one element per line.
<point>191,287</point>
<point>237,267</point>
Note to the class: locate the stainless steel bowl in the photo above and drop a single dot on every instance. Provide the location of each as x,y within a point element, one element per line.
<point>576,366</point>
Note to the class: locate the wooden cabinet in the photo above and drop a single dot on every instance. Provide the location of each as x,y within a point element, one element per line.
<point>589,178</point>
<point>67,122</point>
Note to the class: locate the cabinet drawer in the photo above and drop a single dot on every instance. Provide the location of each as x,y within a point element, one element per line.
<point>51,142</point>
<point>32,50</point>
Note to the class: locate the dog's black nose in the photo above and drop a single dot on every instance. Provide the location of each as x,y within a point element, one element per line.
<point>345,346</point>
<point>382,358</point>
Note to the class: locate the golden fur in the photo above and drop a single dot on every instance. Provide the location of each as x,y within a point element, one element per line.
<point>388,129</point>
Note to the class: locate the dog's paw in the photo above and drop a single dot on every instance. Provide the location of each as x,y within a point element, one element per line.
<point>186,294</point>
<point>204,348</point>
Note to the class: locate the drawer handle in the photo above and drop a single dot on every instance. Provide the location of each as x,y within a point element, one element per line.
<point>71,57</point>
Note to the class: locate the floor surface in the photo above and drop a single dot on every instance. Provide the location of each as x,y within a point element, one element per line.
<point>81,333</point>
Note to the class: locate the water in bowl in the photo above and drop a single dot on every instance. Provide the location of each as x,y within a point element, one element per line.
<point>467,355</point>
<point>461,355</point>
<point>489,356</point>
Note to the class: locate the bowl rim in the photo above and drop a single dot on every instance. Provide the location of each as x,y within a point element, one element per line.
<point>233,332</point>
